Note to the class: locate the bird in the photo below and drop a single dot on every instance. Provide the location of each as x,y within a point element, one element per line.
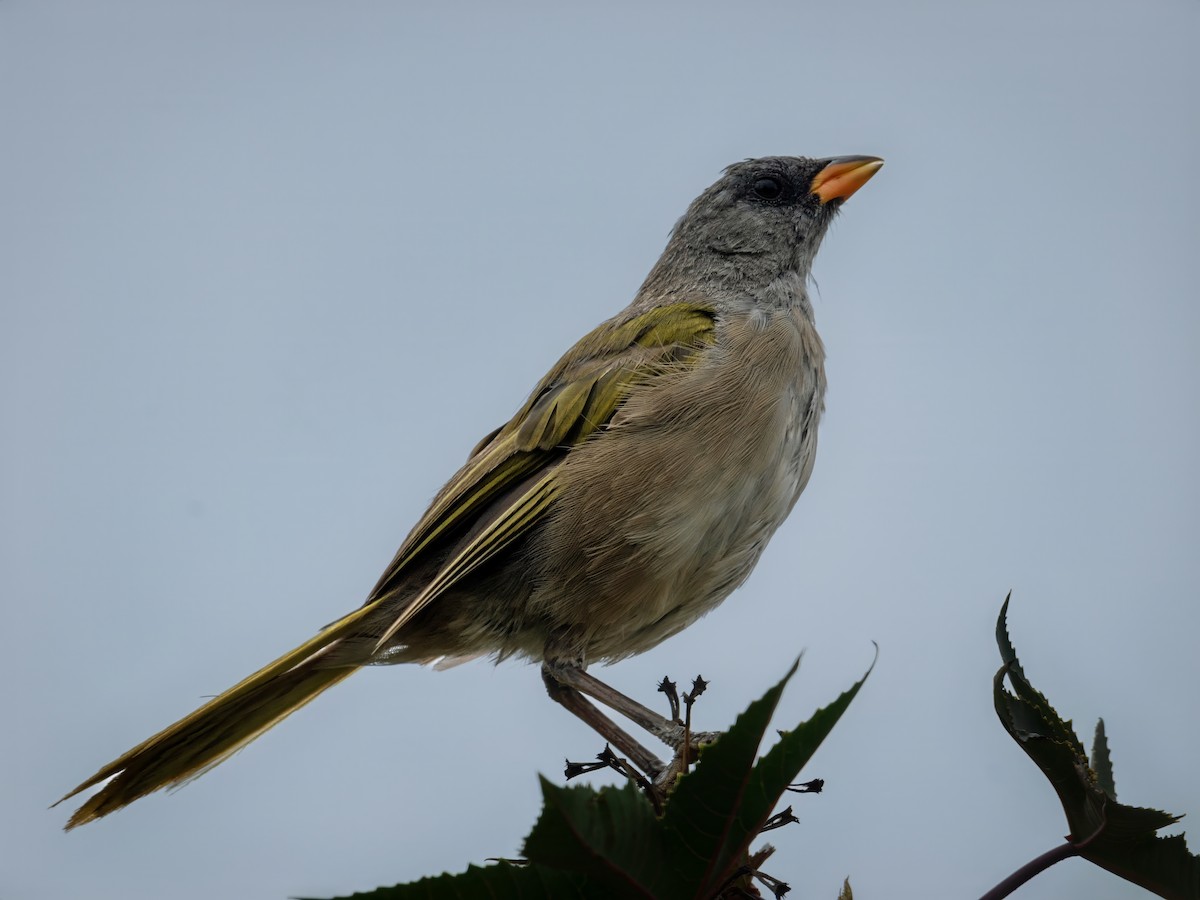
<point>630,494</point>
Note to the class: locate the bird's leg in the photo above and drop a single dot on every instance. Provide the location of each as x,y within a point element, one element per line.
<point>566,695</point>
<point>571,674</point>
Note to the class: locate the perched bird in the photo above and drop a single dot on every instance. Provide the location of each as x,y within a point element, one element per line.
<point>631,493</point>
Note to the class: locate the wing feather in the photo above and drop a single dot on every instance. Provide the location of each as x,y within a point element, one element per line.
<point>509,482</point>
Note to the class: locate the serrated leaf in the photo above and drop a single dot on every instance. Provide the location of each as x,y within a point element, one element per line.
<point>504,881</point>
<point>1112,835</point>
<point>1102,762</point>
<point>1162,865</point>
<point>607,844</point>
<point>1060,763</point>
<point>1035,702</point>
<point>781,765</point>
<point>701,818</point>
<point>720,808</point>
<point>611,836</point>
<point>845,893</point>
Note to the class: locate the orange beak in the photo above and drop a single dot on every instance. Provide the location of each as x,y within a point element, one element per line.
<point>843,175</point>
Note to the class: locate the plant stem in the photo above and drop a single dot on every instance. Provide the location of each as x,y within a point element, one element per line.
<point>1063,851</point>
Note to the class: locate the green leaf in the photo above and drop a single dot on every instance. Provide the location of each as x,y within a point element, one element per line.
<point>719,809</point>
<point>1112,835</point>
<point>1161,865</point>
<point>782,764</point>
<point>504,881</point>
<point>1035,712</point>
<point>704,829</point>
<point>1102,763</point>
<point>611,836</point>
<point>607,844</point>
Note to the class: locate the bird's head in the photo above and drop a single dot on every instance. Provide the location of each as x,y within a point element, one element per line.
<point>762,220</point>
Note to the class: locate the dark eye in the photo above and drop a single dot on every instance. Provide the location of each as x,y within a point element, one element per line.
<point>768,187</point>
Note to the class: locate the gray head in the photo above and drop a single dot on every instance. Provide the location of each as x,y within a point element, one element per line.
<point>764,219</point>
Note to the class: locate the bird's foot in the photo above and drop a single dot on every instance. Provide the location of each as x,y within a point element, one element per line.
<point>567,683</point>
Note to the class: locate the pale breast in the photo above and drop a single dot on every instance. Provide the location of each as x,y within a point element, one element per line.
<point>668,510</point>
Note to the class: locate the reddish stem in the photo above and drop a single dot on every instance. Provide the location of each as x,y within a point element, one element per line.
<point>1033,867</point>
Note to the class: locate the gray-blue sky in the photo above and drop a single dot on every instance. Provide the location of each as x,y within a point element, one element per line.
<point>270,270</point>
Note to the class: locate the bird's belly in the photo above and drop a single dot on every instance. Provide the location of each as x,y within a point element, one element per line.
<point>663,542</point>
<point>693,568</point>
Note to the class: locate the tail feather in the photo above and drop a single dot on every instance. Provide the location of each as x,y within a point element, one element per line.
<point>219,728</point>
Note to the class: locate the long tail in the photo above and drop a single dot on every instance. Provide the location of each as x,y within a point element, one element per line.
<point>228,722</point>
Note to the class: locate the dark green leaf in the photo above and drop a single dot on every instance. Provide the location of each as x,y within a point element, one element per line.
<point>1161,865</point>
<point>612,836</point>
<point>781,765</point>
<point>592,844</point>
<point>500,882</point>
<point>706,838</point>
<point>1102,762</point>
<point>1112,835</point>
<point>720,808</point>
<point>1036,711</point>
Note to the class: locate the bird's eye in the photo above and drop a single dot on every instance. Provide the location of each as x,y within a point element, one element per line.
<point>768,188</point>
